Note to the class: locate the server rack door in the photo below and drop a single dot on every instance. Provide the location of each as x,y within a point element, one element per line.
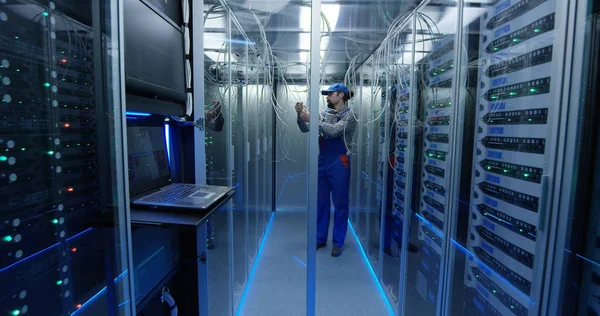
<point>573,284</point>
<point>62,163</point>
<point>510,58</point>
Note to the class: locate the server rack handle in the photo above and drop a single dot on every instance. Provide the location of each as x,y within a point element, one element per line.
<point>543,211</point>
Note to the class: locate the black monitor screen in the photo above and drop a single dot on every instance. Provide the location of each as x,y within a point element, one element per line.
<point>154,57</point>
<point>147,155</point>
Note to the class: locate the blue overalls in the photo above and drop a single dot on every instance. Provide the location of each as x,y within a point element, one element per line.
<point>334,184</point>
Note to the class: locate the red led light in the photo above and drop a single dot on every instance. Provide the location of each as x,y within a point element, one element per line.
<point>67,125</point>
<point>73,249</point>
<point>78,306</point>
<point>63,60</point>
<point>70,189</point>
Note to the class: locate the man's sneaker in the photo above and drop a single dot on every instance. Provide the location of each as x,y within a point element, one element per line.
<point>320,245</point>
<point>336,251</point>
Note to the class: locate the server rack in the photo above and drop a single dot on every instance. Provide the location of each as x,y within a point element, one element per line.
<point>49,166</point>
<point>515,98</point>
<point>437,101</point>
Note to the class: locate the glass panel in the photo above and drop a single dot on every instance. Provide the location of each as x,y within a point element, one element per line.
<point>432,130</point>
<point>57,116</point>
<point>239,128</point>
<point>396,157</point>
<point>217,133</point>
<point>507,87</point>
<point>578,266</point>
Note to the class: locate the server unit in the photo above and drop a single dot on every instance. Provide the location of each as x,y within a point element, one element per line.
<point>51,263</point>
<point>400,198</point>
<point>436,96</point>
<point>516,86</point>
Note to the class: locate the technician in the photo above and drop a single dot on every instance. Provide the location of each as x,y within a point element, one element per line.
<point>336,128</point>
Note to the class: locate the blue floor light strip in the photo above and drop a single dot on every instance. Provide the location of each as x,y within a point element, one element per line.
<point>364,255</point>
<point>239,310</point>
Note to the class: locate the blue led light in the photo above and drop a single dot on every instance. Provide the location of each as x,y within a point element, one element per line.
<point>98,294</point>
<point>137,113</point>
<point>299,261</point>
<point>27,258</point>
<point>254,266</point>
<point>364,255</point>
<point>79,234</point>
<point>168,141</point>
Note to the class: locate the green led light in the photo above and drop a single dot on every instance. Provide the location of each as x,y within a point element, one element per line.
<point>494,97</point>
<point>512,306</point>
<point>23,149</point>
<point>51,152</point>
<point>45,13</point>
<point>59,282</point>
<point>55,221</point>
<point>16,37</point>
<point>505,171</point>
<point>537,30</point>
<point>489,168</point>
<point>15,312</point>
<point>18,70</point>
<point>515,40</point>
<point>7,238</point>
<point>521,230</point>
<point>494,291</point>
<point>513,93</point>
<point>530,120</point>
<point>440,156</point>
<point>3,158</point>
<point>442,70</point>
<point>495,48</point>
<point>532,90</point>
<point>435,73</point>
<point>47,84</point>
<point>526,175</point>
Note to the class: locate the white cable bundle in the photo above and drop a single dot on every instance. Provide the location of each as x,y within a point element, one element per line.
<point>189,106</point>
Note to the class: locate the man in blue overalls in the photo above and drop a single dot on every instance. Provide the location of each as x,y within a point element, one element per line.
<point>336,128</point>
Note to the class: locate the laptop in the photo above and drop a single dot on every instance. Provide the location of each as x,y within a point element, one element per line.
<point>150,181</point>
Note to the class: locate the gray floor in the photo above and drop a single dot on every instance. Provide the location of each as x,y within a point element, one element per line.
<point>345,286</point>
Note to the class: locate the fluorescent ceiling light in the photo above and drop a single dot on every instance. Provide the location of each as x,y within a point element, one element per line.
<point>331,12</point>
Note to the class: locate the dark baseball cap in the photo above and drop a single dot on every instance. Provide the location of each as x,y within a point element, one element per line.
<point>336,87</point>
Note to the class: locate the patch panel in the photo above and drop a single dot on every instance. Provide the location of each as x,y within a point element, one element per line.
<point>484,307</point>
<point>514,278</point>
<point>434,220</point>
<point>437,138</point>
<point>523,200</point>
<point>435,187</point>
<point>433,203</point>
<point>443,50</point>
<point>519,90</point>
<point>441,69</point>
<point>436,154</point>
<point>516,225</point>
<point>508,301</point>
<point>518,144</point>
<point>512,170</point>
<point>534,58</point>
<point>440,104</point>
<point>439,121</point>
<point>517,253</point>
<point>518,117</point>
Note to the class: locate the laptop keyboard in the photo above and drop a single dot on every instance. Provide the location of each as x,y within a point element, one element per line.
<point>171,194</point>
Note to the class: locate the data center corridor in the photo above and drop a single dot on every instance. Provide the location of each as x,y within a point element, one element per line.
<point>345,285</point>
<point>166,157</point>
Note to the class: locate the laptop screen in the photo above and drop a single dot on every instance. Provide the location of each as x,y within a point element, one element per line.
<point>147,155</point>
